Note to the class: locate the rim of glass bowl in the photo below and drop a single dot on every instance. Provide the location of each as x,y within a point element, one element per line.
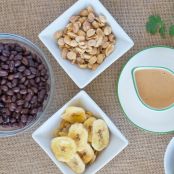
<point>34,48</point>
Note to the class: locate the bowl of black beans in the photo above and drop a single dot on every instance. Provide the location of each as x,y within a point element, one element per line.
<point>26,84</point>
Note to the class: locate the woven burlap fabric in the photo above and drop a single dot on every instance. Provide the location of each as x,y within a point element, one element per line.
<point>144,155</point>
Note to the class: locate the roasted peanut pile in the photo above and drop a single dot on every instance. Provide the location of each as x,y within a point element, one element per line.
<point>79,138</point>
<point>87,39</point>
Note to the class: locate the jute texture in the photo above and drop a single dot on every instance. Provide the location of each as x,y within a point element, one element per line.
<point>144,155</point>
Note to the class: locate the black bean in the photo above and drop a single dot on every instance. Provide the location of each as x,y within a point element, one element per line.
<point>3,58</point>
<point>31,76</point>
<point>4,66</point>
<point>13,99</point>
<point>34,111</point>
<point>11,66</point>
<point>5,53</point>
<point>23,85</point>
<point>33,70</point>
<point>37,79</point>
<point>28,97</point>
<point>23,91</point>
<point>12,107</point>
<point>34,99</point>
<point>3,81</point>
<point>21,68</point>
<point>9,84</point>
<point>18,109</point>
<point>10,92</point>
<point>20,102</point>
<point>23,79</point>
<point>17,63</point>
<point>14,82</point>
<point>4,88</point>
<point>27,72</point>
<point>25,61</point>
<point>12,120</point>
<point>24,118</point>
<point>11,77</point>
<point>3,73</point>
<point>1,119</point>
<point>16,89</point>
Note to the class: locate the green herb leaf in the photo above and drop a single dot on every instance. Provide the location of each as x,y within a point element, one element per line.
<point>162,30</point>
<point>155,25</point>
<point>171,30</point>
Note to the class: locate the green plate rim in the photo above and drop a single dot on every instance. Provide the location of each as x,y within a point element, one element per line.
<point>116,88</point>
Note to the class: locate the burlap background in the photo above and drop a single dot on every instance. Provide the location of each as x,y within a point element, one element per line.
<point>144,155</point>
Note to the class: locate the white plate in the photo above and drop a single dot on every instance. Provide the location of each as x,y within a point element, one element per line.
<point>44,134</point>
<point>83,77</point>
<point>169,158</point>
<point>135,110</point>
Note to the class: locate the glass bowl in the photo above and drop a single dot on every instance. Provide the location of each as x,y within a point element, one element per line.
<point>12,38</point>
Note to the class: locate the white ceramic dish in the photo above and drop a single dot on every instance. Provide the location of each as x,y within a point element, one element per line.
<point>43,134</point>
<point>123,42</point>
<point>145,118</point>
<point>169,158</point>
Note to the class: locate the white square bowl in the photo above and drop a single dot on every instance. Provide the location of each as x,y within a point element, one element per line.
<point>44,134</point>
<point>83,77</point>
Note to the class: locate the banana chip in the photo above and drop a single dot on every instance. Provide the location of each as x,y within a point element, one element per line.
<point>100,135</point>
<point>74,114</point>
<point>80,137</point>
<point>63,148</point>
<point>76,164</point>
<point>87,154</point>
<point>79,134</point>
<point>88,125</point>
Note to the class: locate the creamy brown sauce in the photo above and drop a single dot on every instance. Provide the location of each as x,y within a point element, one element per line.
<point>155,87</point>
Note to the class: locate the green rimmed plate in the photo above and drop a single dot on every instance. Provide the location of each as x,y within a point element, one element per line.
<point>139,114</point>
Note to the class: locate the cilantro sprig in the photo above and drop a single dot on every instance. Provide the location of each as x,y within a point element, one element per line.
<point>171,30</point>
<point>155,25</point>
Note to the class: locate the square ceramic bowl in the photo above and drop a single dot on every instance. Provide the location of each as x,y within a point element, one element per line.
<point>44,134</point>
<point>83,77</point>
